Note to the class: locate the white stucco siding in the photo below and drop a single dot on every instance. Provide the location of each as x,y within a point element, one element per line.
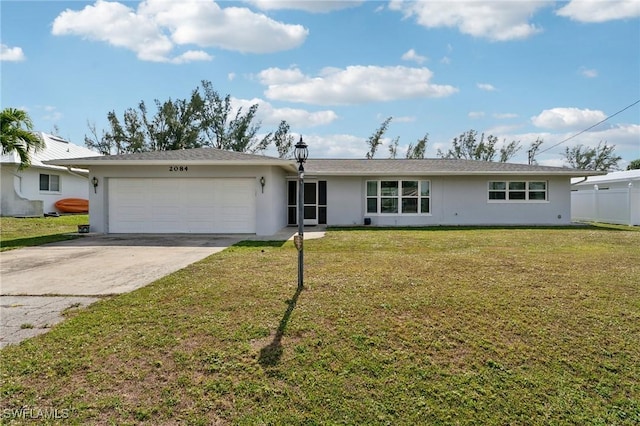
<point>270,205</point>
<point>19,187</point>
<point>455,200</point>
<point>464,201</point>
<point>345,201</point>
<point>271,208</point>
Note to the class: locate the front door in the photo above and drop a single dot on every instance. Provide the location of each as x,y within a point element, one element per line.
<point>315,202</point>
<point>310,203</point>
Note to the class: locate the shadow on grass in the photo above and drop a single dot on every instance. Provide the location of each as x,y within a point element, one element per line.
<point>35,241</point>
<point>258,243</point>
<point>270,354</point>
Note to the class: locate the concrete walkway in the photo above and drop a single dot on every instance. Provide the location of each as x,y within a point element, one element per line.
<point>38,283</point>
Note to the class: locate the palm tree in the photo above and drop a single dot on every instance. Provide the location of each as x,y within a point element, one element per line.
<point>16,135</point>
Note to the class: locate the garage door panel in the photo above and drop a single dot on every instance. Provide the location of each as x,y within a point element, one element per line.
<point>186,205</point>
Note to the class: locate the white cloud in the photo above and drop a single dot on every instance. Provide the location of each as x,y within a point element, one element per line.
<point>156,27</point>
<point>11,54</point>
<point>404,119</point>
<point>297,118</point>
<point>231,76</point>
<point>338,146</point>
<point>206,24</point>
<point>476,114</point>
<point>588,73</point>
<point>600,11</point>
<point>117,25</point>
<point>51,113</point>
<point>192,55</point>
<point>411,55</point>
<point>313,6</point>
<point>567,118</point>
<point>498,21</point>
<point>278,76</point>
<point>486,87</point>
<point>352,85</point>
<point>332,146</point>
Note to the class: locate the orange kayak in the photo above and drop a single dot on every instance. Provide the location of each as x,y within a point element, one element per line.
<point>73,205</point>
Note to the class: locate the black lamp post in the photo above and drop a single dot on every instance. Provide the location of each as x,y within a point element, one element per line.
<point>301,153</point>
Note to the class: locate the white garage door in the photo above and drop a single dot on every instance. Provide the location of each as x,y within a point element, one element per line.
<point>163,205</point>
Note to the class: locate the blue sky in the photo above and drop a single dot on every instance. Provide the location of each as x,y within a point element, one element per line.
<point>335,70</point>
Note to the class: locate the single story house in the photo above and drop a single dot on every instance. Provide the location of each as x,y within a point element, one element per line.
<point>611,198</point>
<point>34,191</point>
<point>206,190</point>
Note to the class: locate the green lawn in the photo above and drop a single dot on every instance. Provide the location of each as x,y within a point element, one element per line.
<point>468,326</point>
<point>24,232</point>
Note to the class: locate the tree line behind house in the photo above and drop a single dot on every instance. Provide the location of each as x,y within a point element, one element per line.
<point>207,119</point>
<point>471,146</point>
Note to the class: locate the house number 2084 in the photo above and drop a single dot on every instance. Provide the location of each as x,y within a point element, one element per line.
<point>178,168</point>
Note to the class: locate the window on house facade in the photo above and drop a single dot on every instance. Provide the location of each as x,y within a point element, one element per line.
<point>398,196</point>
<point>505,191</point>
<point>49,183</point>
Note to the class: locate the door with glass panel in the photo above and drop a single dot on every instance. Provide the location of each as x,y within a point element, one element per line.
<point>310,203</point>
<point>315,202</point>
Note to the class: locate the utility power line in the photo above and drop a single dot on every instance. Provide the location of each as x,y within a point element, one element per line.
<point>589,128</point>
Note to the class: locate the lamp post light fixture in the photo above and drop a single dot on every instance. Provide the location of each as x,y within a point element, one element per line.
<point>301,153</point>
<point>94,182</point>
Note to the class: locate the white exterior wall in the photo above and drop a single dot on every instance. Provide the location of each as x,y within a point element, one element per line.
<point>455,200</point>
<point>345,200</point>
<point>270,204</point>
<point>21,193</point>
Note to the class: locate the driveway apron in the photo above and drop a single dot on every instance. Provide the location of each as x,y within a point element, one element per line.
<point>38,283</point>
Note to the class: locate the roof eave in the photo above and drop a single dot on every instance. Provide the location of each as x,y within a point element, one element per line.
<point>568,173</point>
<point>86,163</point>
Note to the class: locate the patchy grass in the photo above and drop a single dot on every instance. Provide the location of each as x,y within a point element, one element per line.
<point>480,326</point>
<point>614,226</point>
<point>25,232</point>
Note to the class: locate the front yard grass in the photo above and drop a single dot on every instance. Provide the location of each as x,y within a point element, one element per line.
<point>468,326</point>
<point>24,232</point>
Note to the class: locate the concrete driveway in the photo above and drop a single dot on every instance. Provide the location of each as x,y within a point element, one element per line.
<point>38,283</point>
<point>102,264</point>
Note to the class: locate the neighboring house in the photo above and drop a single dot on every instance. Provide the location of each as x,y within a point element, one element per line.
<point>207,190</point>
<point>612,198</point>
<point>34,191</point>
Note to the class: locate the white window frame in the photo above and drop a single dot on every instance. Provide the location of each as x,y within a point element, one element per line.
<point>399,197</point>
<point>509,188</point>
<point>49,176</point>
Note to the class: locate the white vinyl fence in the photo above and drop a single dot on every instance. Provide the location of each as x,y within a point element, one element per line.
<point>620,205</point>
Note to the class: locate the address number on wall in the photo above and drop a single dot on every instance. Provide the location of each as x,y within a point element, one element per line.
<point>178,168</point>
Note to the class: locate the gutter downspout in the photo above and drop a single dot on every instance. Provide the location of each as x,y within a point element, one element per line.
<point>583,180</point>
<point>76,174</point>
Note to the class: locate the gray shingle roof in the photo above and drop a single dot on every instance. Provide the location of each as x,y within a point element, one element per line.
<point>327,167</point>
<point>430,166</point>
<point>196,154</point>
